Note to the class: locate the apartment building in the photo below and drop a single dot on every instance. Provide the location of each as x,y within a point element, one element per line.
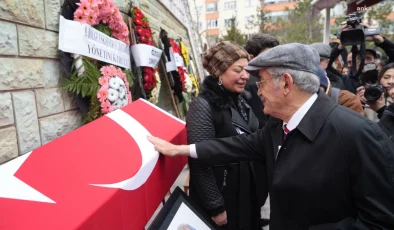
<point>212,18</point>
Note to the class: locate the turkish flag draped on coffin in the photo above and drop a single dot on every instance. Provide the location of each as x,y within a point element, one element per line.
<point>104,175</point>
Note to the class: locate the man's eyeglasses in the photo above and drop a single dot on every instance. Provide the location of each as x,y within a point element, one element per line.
<point>260,83</point>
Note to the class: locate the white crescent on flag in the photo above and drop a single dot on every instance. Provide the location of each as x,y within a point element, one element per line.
<point>149,156</point>
<point>14,188</point>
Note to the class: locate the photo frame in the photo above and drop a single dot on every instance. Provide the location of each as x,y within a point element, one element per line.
<point>179,213</point>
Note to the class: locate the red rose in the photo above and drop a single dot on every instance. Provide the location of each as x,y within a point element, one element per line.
<point>148,33</point>
<point>146,86</point>
<point>139,30</point>
<point>138,14</point>
<point>143,39</point>
<point>148,70</point>
<point>138,21</point>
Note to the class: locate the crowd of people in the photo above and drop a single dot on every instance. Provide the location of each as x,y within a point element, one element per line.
<point>281,122</point>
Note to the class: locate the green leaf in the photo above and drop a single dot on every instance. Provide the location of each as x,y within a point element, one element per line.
<point>103,28</point>
<point>86,84</point>
<point>94,111</point>
<point>129,77</point>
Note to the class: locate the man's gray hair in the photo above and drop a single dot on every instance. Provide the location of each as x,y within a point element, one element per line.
<point>307,82</point>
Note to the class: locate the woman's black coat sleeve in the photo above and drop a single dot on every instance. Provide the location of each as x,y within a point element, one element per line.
<point>200,126</point>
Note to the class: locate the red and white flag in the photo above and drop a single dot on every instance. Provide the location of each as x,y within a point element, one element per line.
<point>104,175</point>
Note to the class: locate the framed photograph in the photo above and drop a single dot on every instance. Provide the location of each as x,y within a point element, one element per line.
<point>179,213</point>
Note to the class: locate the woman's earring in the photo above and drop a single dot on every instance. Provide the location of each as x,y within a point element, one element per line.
<point>220,82</point>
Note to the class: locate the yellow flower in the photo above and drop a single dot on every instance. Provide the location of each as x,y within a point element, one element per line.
<point>185,53</point>
<point>193,79</point>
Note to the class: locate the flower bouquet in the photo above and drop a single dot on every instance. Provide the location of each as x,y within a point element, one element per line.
<point>113,93</point>
<point>98,87</point>
<point>104,16</point>
<point>143,35</point>
<point>181,69</point>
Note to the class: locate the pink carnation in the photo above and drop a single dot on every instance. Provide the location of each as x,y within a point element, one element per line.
<point>103,80</point>
<point>108,71</point>
<point>102,93</point>
<point>106,107</point>
<point>79,16</point>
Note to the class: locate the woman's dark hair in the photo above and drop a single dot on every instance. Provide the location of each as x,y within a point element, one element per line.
<point>384,69</point>
<point>259,42</point>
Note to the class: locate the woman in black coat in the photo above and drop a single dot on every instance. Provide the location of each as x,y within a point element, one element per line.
<point>228,192</point>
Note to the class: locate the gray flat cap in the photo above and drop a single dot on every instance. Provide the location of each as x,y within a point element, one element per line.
<point>294,56</point>
<point>323,49</point>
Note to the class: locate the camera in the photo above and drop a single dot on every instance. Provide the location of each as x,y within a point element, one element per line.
<point>370,80</point>
<point>357,33</point>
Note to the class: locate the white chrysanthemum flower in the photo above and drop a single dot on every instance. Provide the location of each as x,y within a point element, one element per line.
<point>188,83</point>
<point>124,102</point>
<point>117,104</point>
<point>156,91</point>
<point>122,92</point>
<point>114,83</point>
<point>120,81</point>
<point>113,95</point>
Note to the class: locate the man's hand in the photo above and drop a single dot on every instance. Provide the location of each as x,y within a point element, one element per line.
<point>220,219</point>
<point>168,149</point>
<point>360,94</point>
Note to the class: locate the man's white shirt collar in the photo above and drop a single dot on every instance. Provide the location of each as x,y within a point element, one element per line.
<point>299,114</point>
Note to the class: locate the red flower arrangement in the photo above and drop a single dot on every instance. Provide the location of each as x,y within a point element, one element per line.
<point>181,71</point>
<point>144,36</point>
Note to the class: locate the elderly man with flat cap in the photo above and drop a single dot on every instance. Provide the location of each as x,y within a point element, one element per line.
<point>328,167</point>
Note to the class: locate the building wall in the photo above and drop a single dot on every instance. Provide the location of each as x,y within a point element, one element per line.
<point>33,110</point>
<point>245,12</point>
<point>211,24</point>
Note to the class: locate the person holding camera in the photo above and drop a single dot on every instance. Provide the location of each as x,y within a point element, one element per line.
<point>352,82</point>
<point>386,122</point>
<point>376,96</point>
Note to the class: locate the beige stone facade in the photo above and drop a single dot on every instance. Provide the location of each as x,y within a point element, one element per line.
<point>33,109</point>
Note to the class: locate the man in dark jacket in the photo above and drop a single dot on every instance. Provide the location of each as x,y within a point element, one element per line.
<point>328,167</point>
<point>257,44</point>
<point>324,53</point>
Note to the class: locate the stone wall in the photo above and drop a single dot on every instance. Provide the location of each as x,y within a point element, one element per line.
<point>33,110</point>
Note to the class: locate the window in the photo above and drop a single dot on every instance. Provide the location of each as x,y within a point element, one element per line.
<point>211,7</point>
<point>249,20</point>
<point>198,9</point>
<point>230,5</point>
<point>213,39</point>
<point>228,22</point>
<point>212,24</point>
<point>276,1</point>
<point>275,16</point>
<point>250,3</point>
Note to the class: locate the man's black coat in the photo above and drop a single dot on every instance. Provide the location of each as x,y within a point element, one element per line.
<point>334,171</point>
